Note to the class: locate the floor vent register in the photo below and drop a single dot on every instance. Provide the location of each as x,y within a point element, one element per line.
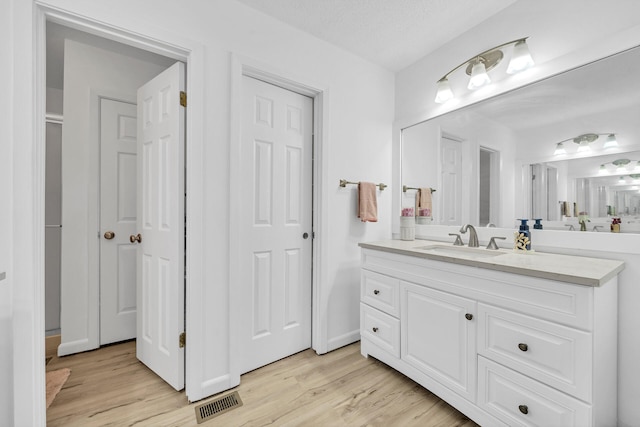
<point>218,406</point>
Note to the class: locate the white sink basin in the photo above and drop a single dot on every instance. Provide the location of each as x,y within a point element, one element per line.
<point>460,251</point>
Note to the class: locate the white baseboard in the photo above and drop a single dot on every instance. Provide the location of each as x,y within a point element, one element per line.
<point>67,348</point>
<point>342,340</point>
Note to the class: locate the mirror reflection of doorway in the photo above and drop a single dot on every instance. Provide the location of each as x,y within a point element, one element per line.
<point>544,192</point>
<point>488,187</point>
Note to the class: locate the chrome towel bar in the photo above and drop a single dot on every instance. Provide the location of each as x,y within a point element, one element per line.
<point>344,182</point>
<point>405,188</point>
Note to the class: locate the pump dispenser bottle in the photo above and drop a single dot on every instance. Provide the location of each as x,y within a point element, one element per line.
<point>523,236</point>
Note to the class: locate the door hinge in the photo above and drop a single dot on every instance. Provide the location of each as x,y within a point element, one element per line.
<point>182,340</point>
<point>183,98</point>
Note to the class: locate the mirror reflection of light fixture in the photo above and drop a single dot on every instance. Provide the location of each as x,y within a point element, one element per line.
<point>620,166</point>
<point>478,66</point>
<point>584,142</point>
<point>559,149</point>
<point>611,141</point>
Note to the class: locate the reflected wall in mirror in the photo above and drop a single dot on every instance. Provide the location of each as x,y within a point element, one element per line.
<point>482,159</point>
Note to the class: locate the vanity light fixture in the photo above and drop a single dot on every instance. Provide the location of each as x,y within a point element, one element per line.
<point>478,66</point>
<point>584,142</point>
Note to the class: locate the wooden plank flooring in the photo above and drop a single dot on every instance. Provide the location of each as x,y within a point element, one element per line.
<point>109,387</point>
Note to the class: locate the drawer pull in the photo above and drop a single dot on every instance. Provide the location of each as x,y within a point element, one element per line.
<point>523,347</point>
<point>524,409</point>
<point>469,316</point>
<point>375,329</point>
<point>376,292</point>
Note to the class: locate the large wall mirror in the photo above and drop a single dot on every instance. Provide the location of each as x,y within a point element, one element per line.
<point>494,161</point>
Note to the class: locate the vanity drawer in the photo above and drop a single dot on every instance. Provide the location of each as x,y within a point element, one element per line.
<point>520,401</point>
<point>554,354</point>
<point>380,328</point>
<point>380,291</point>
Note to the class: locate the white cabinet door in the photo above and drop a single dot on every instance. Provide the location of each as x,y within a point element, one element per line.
<point>439,335</point>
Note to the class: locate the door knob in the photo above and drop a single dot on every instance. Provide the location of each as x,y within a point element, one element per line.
<point>135,238</point>
<point>305,235</point>
<point>109,235</point>
<point>468,316</point>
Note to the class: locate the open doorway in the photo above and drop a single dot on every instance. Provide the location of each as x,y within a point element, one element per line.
<point>93,185</point>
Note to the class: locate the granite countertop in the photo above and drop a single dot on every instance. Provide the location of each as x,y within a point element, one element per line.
<point>565,268</point>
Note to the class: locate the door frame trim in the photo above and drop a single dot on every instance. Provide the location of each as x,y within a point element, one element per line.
<point>243,66</point>
<point>156,40</point>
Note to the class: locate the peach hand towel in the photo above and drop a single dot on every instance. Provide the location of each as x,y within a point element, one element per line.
<point>367,202</point>
<point>423,202</point>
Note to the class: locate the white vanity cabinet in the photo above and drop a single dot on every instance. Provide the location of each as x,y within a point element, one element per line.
<point>503,348</point>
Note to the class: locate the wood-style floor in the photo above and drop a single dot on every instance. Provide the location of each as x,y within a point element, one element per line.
<point>109,387</point>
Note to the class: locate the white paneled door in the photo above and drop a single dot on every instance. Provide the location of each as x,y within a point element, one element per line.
<point>276,223</point>
<point>117,221</point>
<point>160,226</point>
<point>451,195</point>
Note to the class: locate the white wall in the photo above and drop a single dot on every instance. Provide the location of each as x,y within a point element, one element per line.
<point>557,45</point>
<point>356,147</point>
<point>90,72</point>
<point>6,194</point>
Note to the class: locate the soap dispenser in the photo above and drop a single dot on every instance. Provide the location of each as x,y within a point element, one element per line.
<point>538,224</point>
<point>523,236</point>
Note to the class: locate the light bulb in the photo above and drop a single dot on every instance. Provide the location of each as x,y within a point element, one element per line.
<point>479,76</point>
<point>520,58</point>
<point>611,141</point>
<point>583,147</point>
<point>444,91</point>
<point>559,149</point>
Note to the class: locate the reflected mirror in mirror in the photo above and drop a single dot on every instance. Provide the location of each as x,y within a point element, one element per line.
<point>598,187</point>
<point>481,159</point>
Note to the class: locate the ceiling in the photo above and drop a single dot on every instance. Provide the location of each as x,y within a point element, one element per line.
<point>391,33</point>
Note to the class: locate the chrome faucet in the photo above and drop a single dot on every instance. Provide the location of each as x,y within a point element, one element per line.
<point>473,236</point>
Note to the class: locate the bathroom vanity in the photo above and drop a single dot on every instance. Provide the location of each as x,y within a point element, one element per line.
<point>506,338</point>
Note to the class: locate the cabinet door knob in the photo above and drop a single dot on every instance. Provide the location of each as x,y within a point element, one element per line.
<point>375,329</point>
<point>109,235</point>
<point>523,347</point>
<point>524,409</point>
<point>135,238</point>
<point>469,316</point>
<point>376,292</point>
